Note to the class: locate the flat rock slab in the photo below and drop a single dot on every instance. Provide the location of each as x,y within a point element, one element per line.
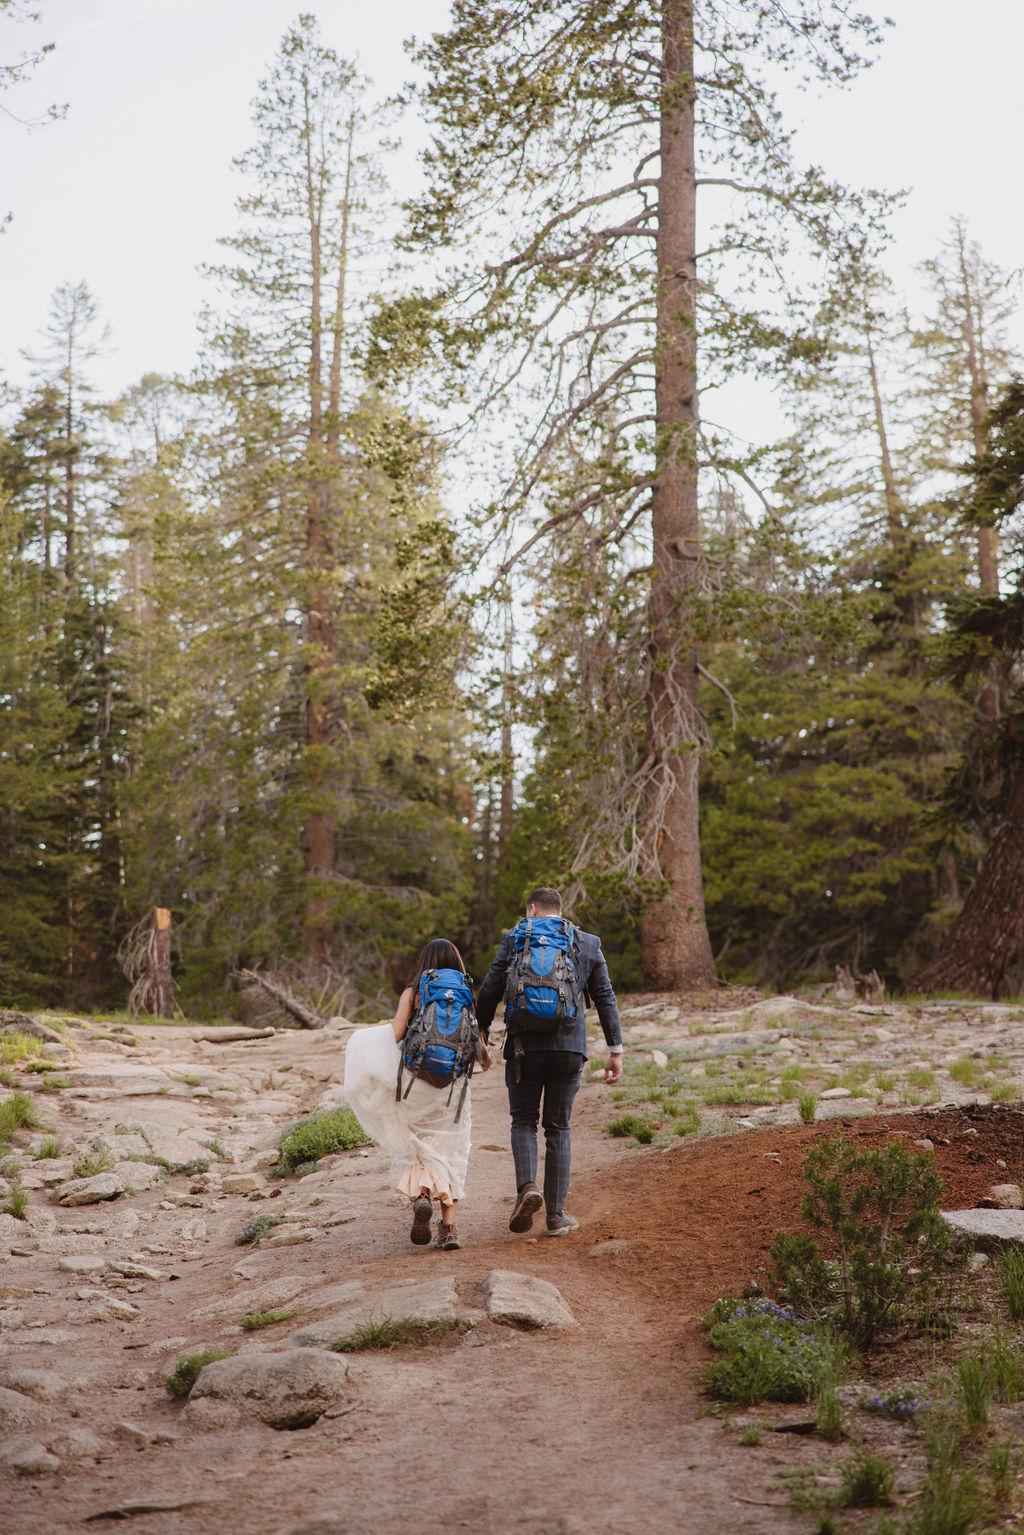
<point>523,1300</point>
<point>82,1263</point>
<point>287,1390</point>
<point>265,1296</point>
<point>44,1385</point>
<point>988,1229</point>
<point>91,1191</point>
<point>126,1081</point>
<point>413,1300</point>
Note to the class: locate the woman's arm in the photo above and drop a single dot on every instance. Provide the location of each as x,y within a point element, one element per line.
<point>400,1022</point>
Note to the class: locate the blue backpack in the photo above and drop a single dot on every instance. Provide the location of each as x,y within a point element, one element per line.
<point>541,987</point>
<point>442,1040</point>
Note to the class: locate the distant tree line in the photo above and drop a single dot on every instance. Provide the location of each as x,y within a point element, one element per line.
<point>439,579</point>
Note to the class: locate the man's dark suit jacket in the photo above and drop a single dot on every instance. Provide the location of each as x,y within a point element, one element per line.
<point>591,973</point>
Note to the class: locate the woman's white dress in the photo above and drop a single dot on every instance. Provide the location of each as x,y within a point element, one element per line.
<point>428,1149</point>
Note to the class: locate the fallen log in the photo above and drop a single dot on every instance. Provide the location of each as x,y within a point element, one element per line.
<point>229,1036</point>
<point>302,1014</point>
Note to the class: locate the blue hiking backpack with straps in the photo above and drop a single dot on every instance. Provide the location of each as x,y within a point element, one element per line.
<point>442,1040</point>
<point>542,990</point>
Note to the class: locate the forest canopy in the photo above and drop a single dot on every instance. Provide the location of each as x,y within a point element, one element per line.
<point>452,569</point>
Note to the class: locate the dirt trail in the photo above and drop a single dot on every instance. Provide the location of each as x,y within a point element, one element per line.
<point>594,1430</point>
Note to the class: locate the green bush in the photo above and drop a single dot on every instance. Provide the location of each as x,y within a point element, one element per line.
<point>769,1353</point>
<point>50,1147</point>
<point>881,1208</point>
<point>183,1377</point>
<point>319,1136</point>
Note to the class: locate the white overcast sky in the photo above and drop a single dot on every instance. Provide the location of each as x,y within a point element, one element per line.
<point>131,190</point>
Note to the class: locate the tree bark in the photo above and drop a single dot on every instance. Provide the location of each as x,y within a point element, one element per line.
<point>988,560</point>
<point>319,826</point>
<point>985,939</point>
<point>676,947</point>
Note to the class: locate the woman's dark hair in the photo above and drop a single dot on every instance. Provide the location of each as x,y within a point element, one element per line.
<point>438,954</point>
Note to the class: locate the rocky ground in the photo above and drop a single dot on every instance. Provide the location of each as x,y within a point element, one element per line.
<point>561,1391</point>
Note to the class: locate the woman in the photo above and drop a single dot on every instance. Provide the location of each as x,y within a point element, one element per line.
<point>427,1136</point>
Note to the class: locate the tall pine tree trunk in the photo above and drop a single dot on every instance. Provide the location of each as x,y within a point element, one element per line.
<point>320,821</point>
<point>985,939</point>
<point>676,948</point>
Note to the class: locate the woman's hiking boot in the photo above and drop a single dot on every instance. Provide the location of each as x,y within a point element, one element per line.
<point>421,1212</point>
<point>528,1202</point>
<point>447,1238</point>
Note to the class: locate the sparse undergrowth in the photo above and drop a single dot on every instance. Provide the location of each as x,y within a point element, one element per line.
<point>258,1227</point>
<point>388,1333</point>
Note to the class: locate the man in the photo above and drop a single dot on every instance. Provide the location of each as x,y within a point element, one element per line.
<point>545,1054</point>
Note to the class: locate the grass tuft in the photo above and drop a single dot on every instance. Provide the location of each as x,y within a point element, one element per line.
<point>634,1125</point>
<point>16,1204</point>
<point>17,1112</point>
<point>387,1334</point>
<point>183,1377</point>
<point>257,1319</point>
<point>867,1481</point>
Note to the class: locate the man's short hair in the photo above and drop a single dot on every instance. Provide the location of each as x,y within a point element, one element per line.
<point>546,898</point>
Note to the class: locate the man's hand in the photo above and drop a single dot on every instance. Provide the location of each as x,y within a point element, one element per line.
<point>613,1068</point>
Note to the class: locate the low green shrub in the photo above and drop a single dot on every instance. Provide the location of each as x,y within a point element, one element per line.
<point>48,1148</point>
<point>770,1353</point>
<point>183,1377</point>
<point>881,1209</point>
<point>320,1135</point>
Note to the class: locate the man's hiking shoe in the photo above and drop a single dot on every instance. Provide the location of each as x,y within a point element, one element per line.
<point>420,1233</point>
<point>560,1225</point>
<point>528,1202</point>
<point>447,1238</point>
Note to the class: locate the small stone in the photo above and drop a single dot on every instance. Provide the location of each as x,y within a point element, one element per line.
<point>991,1230</point>
<point>27,1458</point>
<point>1000,1162</point>
<point>131,1433</point>
<point>1003,1196</point>
<point>290,1236</point>
<point>835,1092</point>
<point>977,1261</point>
<point>135,1270</point>
<point>44,1385</point>
<point>240,1183</point>
<point>79,1443</point>
<point>91,1191</point>
<point>659,1058</point>
<point>924,1144</point>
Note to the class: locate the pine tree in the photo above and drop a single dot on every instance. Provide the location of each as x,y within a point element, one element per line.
<point>595,129</point>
